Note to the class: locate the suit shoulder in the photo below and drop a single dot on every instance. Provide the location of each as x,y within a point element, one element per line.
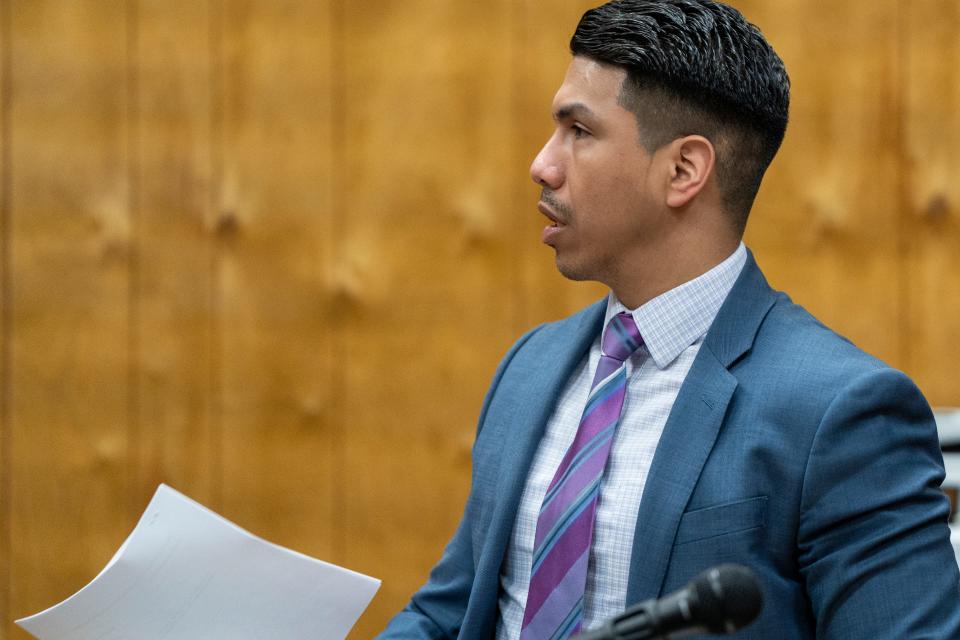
<point>802,374</point>
<point>792,336</point>
<point>798,364</point>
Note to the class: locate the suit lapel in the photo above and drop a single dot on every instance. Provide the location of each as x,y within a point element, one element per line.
<point>692,429</point>
<point>687,439</point>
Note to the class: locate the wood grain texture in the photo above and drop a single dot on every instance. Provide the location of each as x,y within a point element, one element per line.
<point>931,207</point>
<point>544,38</point>
<point>6,581</point>
<point>427,270</point>
<point>825,226</point>
<point>272,225</point>
<point>70,251</point>
<point>173,422</point>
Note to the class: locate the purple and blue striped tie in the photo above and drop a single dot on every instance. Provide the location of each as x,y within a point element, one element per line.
<point>561,549</point>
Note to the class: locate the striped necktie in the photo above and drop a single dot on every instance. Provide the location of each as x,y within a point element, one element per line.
<point>561,549</point>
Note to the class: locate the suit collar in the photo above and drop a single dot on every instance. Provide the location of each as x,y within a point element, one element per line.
<point>733,331</point>
<point>675,319</point>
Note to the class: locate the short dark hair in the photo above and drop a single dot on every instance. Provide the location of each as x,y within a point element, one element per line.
<point>696,67</point>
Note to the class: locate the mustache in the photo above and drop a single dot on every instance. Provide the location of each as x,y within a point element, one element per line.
<point>561,209</point>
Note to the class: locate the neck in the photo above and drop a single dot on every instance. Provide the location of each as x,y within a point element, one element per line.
<point>654,275</point>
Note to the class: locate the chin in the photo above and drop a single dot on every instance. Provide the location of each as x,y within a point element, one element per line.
<point>573,271</point>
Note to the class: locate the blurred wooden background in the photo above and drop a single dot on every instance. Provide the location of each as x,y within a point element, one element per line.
<point>270,252</point>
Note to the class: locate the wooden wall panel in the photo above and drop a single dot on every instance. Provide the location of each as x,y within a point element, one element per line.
<point>174,422</point>
<point>70,244</point>
<point>5,286</point>
<point>931,206</point>
<point>280,445</point>
<point>426,265</point>
<point>825,227</point>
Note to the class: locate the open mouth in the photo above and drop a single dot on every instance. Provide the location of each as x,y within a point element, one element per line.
<point>545,209</point>
<point>553,230</point>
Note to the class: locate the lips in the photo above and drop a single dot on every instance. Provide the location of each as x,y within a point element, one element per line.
<point>556,226</point>
<point>545,209</point>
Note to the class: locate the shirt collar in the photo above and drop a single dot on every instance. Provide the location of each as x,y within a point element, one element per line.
<point>676,319</point>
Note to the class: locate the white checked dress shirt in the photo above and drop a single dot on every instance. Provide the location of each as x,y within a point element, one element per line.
<point>673,326</point>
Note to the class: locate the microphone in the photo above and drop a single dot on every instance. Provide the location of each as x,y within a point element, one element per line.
<point>720,600</point>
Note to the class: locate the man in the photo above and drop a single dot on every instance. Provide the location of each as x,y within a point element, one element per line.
<point>695,417</point>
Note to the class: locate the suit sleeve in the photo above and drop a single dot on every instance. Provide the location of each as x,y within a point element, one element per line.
<point>873,541</point>
<point>436,611</point>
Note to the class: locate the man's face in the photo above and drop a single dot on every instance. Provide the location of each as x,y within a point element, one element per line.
<point>598,188</point>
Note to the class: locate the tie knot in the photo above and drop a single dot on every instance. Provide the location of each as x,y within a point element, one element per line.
<point>621,337</point>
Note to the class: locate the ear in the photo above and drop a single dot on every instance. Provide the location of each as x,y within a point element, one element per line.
<point>692,159</point>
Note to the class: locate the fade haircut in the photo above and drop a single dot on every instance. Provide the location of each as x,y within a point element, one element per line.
<point>696,67</point>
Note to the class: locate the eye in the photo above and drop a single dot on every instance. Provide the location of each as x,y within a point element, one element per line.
<point>578,131</point>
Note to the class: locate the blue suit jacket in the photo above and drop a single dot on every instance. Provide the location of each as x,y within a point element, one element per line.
<point>788,450</point>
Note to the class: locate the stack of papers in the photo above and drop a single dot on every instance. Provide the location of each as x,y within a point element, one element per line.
<point>186,573</point>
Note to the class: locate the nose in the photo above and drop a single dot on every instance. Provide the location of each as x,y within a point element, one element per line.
<point>546,169</point>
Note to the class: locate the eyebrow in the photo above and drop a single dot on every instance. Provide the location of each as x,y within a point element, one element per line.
<point>574,110</point>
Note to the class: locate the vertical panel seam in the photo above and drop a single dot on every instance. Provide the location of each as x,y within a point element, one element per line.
<point>133,254</point>
<point>214,302</point>
<point>904,188</point>
<point>337,375</point>
<point>6,302</point>
<point>517,15</point>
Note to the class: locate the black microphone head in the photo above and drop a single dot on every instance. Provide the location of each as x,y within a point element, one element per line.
<point>725,598</point>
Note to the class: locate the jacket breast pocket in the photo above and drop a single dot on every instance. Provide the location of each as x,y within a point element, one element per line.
<point>722,519</point>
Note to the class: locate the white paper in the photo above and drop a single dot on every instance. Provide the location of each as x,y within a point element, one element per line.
<point>186,573</point>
